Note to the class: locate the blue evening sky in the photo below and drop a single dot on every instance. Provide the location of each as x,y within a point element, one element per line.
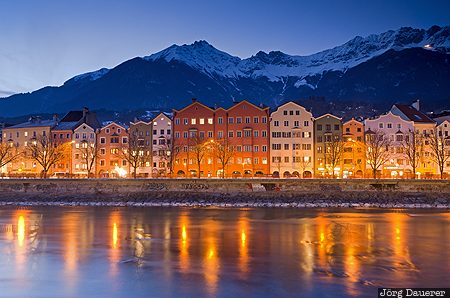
<point>47,42</point>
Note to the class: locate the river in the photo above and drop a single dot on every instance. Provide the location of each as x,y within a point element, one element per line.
<point>209,252</point>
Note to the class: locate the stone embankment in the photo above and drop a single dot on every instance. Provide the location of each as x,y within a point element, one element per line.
<point>228,192</point>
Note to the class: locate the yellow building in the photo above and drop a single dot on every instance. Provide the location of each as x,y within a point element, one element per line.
<point>20,136</point>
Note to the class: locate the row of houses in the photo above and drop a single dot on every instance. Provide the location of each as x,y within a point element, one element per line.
<point>244,140</point>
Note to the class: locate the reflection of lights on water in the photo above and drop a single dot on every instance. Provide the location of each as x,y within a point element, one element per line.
<point>243,237</point>
<point>21,230</point>
<point>397,231</point>
<point>183,233</point>
<point>210,254</point>
<point>322,237</point>
<point>114,235</point>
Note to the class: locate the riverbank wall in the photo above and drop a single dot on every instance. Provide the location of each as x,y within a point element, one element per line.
<point>228,192</point>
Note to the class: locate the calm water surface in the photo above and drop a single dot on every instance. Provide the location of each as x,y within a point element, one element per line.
<point>105,252</point>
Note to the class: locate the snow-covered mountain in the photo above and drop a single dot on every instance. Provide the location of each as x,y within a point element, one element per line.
<point>372,72</point>
<point>276,65</point>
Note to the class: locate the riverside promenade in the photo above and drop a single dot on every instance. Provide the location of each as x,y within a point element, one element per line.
<point>297,193</point>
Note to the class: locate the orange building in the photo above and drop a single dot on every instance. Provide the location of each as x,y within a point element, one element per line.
<point>199,130</point>
<point>248,131</point>
<point>112,139</point>
<point>354,154</point>
<point>193,128</point>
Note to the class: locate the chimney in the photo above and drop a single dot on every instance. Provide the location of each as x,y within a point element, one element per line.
<point>85,111</point>
<point>194,100</point>
<point>416,105</point>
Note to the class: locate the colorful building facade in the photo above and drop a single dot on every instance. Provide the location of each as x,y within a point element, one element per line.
<point>292,141</point>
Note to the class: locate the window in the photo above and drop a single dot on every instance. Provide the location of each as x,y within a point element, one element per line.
<point>285,113</point>
<point>291,113</point>
<point>247,120</point>
<point>102,151</point>
<point>220,120</point>
<point>115,140</point>
<point>185,121</point>
<point>264,119</point>
<point>286,159</point>
<point>238,119</point>
<point>319,149</point>
<point>264,148</point>
<point>276,146</point>
<point>210,134</point>
<point>230,134</point>
<point>247,148</point>
<point>154,132</point>
<point>319,139</point>
<point>193,121</point>
<point>255,119</point>
<point>264,133</point>
<point>247,133</point>
<point>124,140</point>
<point>255,148</point>
<point>102,140</point>
<point>239,134</point>
<point>177,121</point>
<point>256,133</point>
<point>380,125</point>
<point>210,120</point>
<point>306,146</point>
<point>306,123</point>
<point>319,127</point>
<point>306,134</point>
<point>276,123</point>
<point>358,129</point>
<point>286,146</point>
<point>347,129</point>
<point>230,120</point>
<point>201,121</point>
<point>286,123</point>
<point>220,134</point>
<point>119,130</point>
<point>264,160</point>
<point>389,125</point>
<point>185,134</point>
<point>336,127</point>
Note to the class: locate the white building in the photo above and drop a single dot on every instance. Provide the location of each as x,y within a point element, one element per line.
<point>291,140</point>
<point>424,126</point>
<point>83,142</point>
<point>161,144</point>
<point>394,127</point>
<point>443,129</point>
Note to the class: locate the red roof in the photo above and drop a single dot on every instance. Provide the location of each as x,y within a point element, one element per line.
<point>413,114</point>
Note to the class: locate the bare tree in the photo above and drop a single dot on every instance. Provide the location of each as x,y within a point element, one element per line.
<point>8,154</point>
<point>134,154</point>
<point>304,163</point>
<point>46,152</point>
<point>377,150</point>
<point>199,148</point>
<point>334,148</point>
<point>168,153</point>
<point>413,145</point>
<point>89,153</point>
<point>440,149</point>
<point>224,152</point>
